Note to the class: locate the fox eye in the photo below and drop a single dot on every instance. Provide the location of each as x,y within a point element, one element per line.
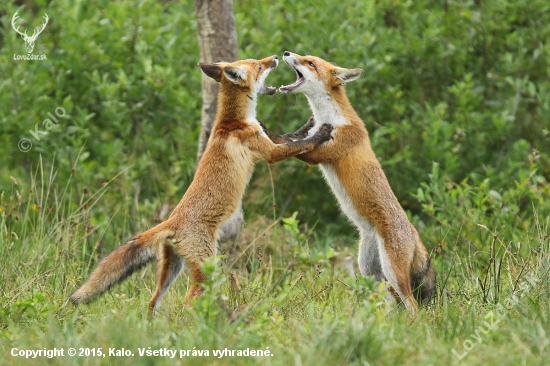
<point>311,64</point>
<point>261,67</point>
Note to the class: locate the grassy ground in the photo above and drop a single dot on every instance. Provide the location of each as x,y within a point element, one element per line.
<point>281,288</point>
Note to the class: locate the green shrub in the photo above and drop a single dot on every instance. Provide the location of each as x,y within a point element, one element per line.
<point>463,84</point>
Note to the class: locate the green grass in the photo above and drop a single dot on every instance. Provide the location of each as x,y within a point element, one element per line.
<point>281,287</point>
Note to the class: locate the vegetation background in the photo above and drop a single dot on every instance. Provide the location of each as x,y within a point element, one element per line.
<point>455,95</point>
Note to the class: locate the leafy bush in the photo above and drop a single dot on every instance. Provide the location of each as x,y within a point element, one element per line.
<point>463,84</point>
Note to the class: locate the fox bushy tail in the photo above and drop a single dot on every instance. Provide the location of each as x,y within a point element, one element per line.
<point>122,262</point>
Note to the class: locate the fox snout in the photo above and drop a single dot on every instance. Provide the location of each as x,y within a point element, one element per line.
<point>289,57</point>
<point>274,62</point>
<point>293,61</point>
<point>270,62</point>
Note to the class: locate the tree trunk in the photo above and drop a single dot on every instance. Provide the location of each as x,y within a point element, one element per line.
<point>217,42</point>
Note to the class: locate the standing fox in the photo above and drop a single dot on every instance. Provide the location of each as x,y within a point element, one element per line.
<point>390,247</point>
<point>236,143</point>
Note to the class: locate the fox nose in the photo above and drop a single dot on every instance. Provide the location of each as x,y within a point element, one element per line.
<point>275,57</point>
<point>286,53</point>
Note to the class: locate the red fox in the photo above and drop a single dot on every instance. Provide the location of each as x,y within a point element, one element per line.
<point>237,141</point>
<point>390,247</point>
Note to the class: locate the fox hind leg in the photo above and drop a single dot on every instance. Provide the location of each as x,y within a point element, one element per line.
<point>195,248</point>
<point>396,272</point>
<point>170,265</point>
<point>196,289</point>
<point>423,282</point>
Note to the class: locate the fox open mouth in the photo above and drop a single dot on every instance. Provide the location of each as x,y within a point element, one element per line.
<point>294,85</point>
<point>269,90</point>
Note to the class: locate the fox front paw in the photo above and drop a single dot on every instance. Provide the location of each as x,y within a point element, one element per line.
<point>325,132</point>
<point>309,124</point>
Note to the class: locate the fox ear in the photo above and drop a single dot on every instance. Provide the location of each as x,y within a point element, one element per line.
<point>347,75</point>
<point>235,74</point>
<point>212,70</point>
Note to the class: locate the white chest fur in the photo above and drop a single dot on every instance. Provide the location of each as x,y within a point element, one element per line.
<point>344,199</point>
<point>325,110</point>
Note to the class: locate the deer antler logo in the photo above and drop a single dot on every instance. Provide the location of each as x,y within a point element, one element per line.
<point>29,40</point>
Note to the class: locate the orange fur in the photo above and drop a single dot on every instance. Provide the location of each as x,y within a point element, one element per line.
<point>390,247</point>
<point>237,141</point>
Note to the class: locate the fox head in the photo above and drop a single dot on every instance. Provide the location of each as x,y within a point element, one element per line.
<point>315,75</point>
<point>247,74</point>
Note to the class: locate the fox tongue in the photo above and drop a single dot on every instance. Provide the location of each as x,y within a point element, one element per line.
<point>294,84</point>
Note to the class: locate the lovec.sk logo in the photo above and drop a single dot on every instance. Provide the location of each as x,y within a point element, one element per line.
<point>29,40</point>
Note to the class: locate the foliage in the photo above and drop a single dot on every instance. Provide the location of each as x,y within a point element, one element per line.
<point>463,84</point>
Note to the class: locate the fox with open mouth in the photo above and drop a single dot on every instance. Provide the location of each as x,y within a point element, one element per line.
<point>390,247</point>
<point>236,143</point>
